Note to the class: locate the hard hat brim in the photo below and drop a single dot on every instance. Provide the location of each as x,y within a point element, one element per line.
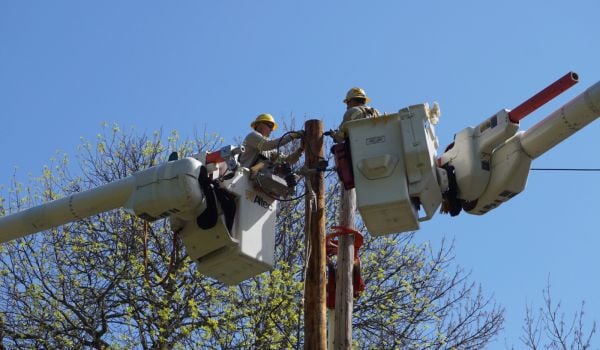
<point>253,124</point>
<point>367,100</point>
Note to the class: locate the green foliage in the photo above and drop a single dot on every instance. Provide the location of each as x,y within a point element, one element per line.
<point>86,284</point>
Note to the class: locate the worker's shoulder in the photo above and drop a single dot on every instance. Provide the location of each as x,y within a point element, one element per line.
<point>357,112</point>
<point>254,135</point>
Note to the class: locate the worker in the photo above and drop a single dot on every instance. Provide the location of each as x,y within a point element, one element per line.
<point>259,146</point>
<point>356,108</point>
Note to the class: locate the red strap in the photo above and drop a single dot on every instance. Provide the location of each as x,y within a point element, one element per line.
<point>331,245</point>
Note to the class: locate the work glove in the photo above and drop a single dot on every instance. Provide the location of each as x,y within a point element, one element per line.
<point>337,135</point>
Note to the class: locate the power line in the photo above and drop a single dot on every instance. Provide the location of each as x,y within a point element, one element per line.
<point>566,169</point>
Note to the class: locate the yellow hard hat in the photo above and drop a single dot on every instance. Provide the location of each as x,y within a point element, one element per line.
<point>356,92</point>
<point>266,118</point>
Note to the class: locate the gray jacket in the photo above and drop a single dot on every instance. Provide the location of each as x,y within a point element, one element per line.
<point>354,113</point>
<point>257,145</point>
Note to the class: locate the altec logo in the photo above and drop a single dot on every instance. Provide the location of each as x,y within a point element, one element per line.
<point>258,200</point>
<point>263,203</point>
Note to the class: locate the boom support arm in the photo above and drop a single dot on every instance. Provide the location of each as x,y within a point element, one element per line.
<point>562,123</point>
<point>61,211</point>
<point>486,177</point>
<point>170,188</point>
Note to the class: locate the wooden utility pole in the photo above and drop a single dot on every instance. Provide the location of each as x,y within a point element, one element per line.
<point>315,321</point>
<point>344,301</point>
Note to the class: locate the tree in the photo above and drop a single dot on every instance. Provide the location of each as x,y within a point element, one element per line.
<point>113,281</point>
<point>550,328</point>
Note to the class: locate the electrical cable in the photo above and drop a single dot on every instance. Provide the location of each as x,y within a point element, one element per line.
<point>306,145</point>
<point>567,169</point>
<point>278,152</point>
<point>283,136</point>
<point>308,248</point>
<point>275,198</point>
<point>172,258</point>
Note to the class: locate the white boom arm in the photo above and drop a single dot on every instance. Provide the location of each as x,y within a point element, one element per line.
<point>488,176</point>
<point>564,122</point>
<point>227,225</point>
<point>170,188</point>
<point>59,212</point>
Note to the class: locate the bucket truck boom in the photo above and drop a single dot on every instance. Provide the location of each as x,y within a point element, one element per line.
<point>225,220</point>
<point>502,168</point>
<point>392,161</point>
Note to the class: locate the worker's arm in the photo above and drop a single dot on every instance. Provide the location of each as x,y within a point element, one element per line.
<point>258,145</point>
<point>263,144</point>
<point>293,157</point>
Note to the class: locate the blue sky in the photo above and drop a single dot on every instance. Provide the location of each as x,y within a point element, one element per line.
<point>68,66</point>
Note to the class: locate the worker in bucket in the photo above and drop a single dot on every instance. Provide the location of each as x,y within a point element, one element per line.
<point>356,108</point>
<point>258,145</point>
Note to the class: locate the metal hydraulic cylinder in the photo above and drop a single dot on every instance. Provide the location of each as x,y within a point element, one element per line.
<point>160,191</point>
<point>61,211</point>
<point>563,122</point>
<point>511,161</point>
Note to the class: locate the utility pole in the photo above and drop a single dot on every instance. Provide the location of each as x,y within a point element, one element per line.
<point>315,321</point>
<point>344,301</point>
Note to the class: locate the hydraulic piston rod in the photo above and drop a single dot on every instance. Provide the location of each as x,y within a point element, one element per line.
<point>542,97</point>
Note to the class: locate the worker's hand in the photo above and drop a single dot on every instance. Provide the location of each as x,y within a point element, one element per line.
<point>337,135</point>
<point>330,132</point>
